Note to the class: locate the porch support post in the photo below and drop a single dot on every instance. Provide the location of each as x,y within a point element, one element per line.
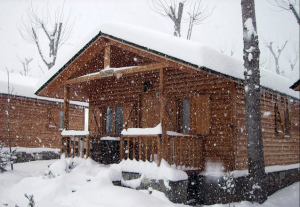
<point>107,56</point>
<point>121,148</point>
<point>88,154</point>
<point>66,117</point>
<point>162,105</point>
<point>66,106</point>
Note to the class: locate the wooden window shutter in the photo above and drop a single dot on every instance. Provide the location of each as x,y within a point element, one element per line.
<point>200,115</point>
<point>129,115</point>
<point>279,121</point>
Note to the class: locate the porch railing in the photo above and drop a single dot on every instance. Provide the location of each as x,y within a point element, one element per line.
<point>76,145</point>
<point>140,147</point>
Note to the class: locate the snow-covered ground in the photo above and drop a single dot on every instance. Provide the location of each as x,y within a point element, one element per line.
<point>89,184</point>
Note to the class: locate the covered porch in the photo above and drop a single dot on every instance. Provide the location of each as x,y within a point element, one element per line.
<point>128,87</point>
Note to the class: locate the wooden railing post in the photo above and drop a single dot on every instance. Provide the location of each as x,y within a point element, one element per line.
<point>88,146</point>
<point>121,148</point>
<point>66,106</point>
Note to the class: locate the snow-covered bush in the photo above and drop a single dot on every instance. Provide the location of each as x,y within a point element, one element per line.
<point>6,158</point>
<point>31,200</point>
<point>228,183</point>
<point>62,166</point>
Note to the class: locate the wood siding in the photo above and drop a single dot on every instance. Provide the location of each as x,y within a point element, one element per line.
<point>279,148</point>
<point>214,145</point>
<point>35,123</point>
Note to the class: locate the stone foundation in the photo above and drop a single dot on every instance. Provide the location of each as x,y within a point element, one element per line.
<point>175,191</point>
<point>205,189</point>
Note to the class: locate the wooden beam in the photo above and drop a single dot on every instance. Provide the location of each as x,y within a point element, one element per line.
<point>121,148</point>
<point>139,69</point>
<point>107,56</point>
<point>162,104</point>
<point>82,79</point>
<point>87,146</point>
<point>109,73</point>
<point>66,106</point>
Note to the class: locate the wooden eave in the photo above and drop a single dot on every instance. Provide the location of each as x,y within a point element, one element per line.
<point>103,40</point>
<point>296,86</point>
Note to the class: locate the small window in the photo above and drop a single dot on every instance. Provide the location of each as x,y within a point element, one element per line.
<point>109,120</point>
<point>185,116</point>
<point>61,119</point>
<point>119,119</point>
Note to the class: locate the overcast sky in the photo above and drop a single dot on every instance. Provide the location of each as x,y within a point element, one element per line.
<point>223,31</point>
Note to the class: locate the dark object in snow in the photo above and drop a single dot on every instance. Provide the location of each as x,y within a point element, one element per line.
<point>150,190</point>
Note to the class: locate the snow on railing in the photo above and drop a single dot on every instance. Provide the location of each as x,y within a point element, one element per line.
<point>143,131</point>
<point>74,133</point>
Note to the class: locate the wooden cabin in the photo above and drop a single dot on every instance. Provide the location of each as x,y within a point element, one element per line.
<point>135,79</point>
<point>34,122</point>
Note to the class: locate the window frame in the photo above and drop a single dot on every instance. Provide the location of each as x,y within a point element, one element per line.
<point>282,120</point>
<point>113,119</point>
<point>61,120</point>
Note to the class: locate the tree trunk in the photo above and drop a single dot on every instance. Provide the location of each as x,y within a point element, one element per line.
<point>256,166</point>
<point>295,13</point>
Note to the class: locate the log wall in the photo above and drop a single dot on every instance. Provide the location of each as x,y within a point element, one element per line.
<point>35,123</point>
<point>279,148</point>
<point>226,142</point>
<point>217,145</point>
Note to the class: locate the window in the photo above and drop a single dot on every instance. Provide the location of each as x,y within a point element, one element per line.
<point>113,119</point>
<point>195,115</point>
<point>109,120</point>
<point>61,119</point>
<point>185,116</point>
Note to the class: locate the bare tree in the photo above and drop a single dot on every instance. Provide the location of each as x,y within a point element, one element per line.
<point>293,59</point>
<point>25,64</point>
<point>276,56</point>
<point>172,9</point>
<point>197,15</point>
<point>232,49</point>
<point>288,5</point>
<point>256,165</point>
<point>57,32</point>
<point>9,92</point>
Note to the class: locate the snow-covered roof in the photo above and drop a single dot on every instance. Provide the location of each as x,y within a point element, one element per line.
<point>24,86</point>
<point>182,50</point>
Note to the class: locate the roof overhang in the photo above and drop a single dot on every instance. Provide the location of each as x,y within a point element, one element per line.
<point>296,86</point>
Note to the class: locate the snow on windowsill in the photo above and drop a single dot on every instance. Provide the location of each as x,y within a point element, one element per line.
<point>108,138</point>
<point>143,131</point>
<point>73,133</point>
<point>171,133</point>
